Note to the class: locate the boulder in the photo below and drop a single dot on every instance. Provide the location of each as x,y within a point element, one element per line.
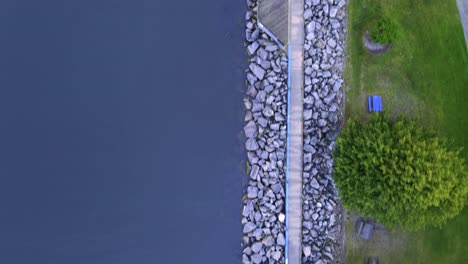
<point>307,250</point>
<point>276,255</point>
<point>254,172</point>
<point>256,258</point>
<point>307,14</point>
<point>333,11</point>
<point>251,144</point>
<point>252,47</point>
<point>268,112</point>
<point>281,217</point>
<point>268,241</point>
<point>258,71</point>
<point>280,239</point>
<point>262,53</point>
<point>250,129</point>
<point>314,183</point>
<point>308,114</point>
<point>256,247</point>
<point>249,227</point>
<point>252,192</point>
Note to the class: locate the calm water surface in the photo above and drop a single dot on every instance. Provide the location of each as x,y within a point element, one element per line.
<point>119,131</point>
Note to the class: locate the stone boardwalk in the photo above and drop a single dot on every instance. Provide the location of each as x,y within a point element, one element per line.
<point>463,10</point>
<point>295,131</point>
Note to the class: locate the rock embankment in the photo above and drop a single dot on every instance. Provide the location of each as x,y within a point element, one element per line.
<point>263,213</point>
<point>324,47</point>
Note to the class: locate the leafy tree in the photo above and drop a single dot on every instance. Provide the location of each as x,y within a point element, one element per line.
<point>400,174</point>
<point>384,31</point>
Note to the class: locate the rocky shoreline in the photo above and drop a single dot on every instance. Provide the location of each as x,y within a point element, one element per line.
<point>324,47</point>
<point>263,212</point>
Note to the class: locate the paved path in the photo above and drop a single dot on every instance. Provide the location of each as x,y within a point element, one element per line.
<point>295,129</point>
<point>463,9</point>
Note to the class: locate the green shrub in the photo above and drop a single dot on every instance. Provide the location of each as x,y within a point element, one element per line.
<point>384,31</point>
<point>399,173</point>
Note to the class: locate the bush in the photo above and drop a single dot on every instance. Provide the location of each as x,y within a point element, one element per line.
<point>399,173</point>
<point>384,31</point>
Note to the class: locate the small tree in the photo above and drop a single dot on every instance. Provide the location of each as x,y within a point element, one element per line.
<point>384,31</point>
<point>399,173</point>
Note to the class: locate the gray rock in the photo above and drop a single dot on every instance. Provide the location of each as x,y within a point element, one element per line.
<point>308,114</point>
<point>325,66</point>
<point>328,255</point>
<point>307,158</point>
<point>261,95</point>
<point>258,71</point>
<point>329,98</point>
<point>251,78</point>
<point>309,149</point>
<point>251,144</point>
<point>332,43</point>
<point>280,239</point>
<point>245,259</point>
<point>252,47</point>
<point>333,118</point>
<point>325,9</point>
<point>254,35</point>
<point>248,15</point>
<point>268,241</point>
<point>307,250</point>
<point>252,192</point>
<point>257,233</point>
<point>256,258</point>
<point>257,106</point>
<point>250,129</point>
<point>314,183</point>
<point>310,27</point>
<point>322,123</point>
<point>315,216</point>
<point>276,188</point>
<point>315,2</point>
<point>247,251</point>
<point>271,47</point>
<point>307,14</point>
<point>313,233</point>
<point>333,11</point>
<point>245,211</point>
<point>309,100</point>
<point>254,172</point>
<point>275,126</point>
<point>249,227</point>
<point>276,255</point>
<point>268,88</point>
<point>262,53</point>
<point>308,225</point>
<point>262,122</point>
<point>279,117</point>
<point>268,112</point>
<point>256,247</point>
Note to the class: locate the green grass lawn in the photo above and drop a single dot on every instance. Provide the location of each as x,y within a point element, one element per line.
<point>425,74</point>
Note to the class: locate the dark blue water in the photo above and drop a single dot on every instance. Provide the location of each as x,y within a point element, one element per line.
<point>119,124</point>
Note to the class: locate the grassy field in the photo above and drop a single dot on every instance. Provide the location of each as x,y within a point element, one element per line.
<point>425,74</point>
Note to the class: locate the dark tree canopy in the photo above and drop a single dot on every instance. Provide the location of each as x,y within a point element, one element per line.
<point>398,173</point>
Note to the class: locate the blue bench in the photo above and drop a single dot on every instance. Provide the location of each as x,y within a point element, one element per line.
<point>374,103</point>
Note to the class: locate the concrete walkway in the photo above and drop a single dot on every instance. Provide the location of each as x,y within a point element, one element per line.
<point>295,131</point>
<point>463,10</point>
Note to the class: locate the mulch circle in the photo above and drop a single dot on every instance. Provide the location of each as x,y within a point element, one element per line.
<point>375,48</point>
